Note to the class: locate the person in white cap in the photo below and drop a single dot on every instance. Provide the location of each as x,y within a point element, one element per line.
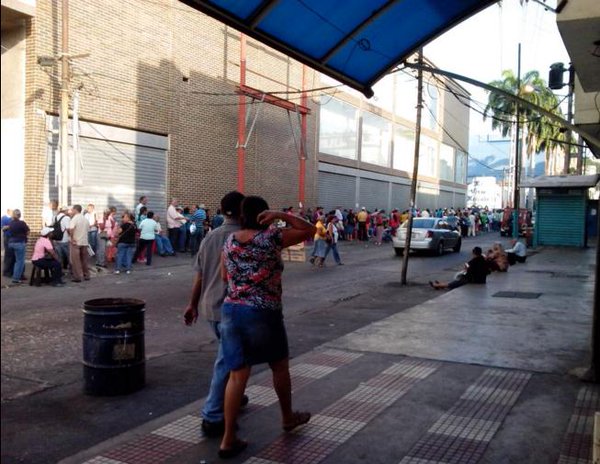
<point>45,257</point>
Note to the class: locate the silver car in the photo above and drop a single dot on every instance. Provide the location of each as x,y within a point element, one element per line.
<point>429,234</point>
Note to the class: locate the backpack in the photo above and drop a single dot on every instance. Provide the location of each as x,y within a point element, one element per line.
<point>57,232</point>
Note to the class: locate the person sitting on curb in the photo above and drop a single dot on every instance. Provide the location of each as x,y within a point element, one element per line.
<point>45,257</point>
<point>497,259</point>
<point>518,252</point>
<point>475,272</point>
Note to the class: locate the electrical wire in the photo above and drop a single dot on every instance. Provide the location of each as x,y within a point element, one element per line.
<point>458,144</point>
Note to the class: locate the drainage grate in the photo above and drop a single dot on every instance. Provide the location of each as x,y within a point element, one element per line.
<point>522,295</point>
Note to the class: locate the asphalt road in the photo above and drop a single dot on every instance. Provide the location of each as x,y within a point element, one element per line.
<point>45,415</point>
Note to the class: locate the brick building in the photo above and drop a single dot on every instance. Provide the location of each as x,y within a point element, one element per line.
<point>152,88</point>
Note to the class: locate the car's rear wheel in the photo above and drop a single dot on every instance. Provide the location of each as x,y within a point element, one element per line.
<point>440,248</point>
<point>399,251</point>
<point>456,248</point>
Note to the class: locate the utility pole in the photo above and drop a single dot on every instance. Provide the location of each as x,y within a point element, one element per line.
<point>413,186</point>
<point>64,108</point>
<point>516,200</point>
<point>569,134</point>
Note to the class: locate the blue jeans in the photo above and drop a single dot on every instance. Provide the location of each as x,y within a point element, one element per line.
<point>251,335</point>
<point>124,256</point>
<point>19,249</point>
<point>163,245</point>
<point>333,248</point>
<point>212,410</point>
<point>93,239</point>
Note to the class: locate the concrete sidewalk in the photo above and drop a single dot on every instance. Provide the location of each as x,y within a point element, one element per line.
<point>478,374</point>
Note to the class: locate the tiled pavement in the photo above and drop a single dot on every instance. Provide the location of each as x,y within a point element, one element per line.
<point>460,435</point>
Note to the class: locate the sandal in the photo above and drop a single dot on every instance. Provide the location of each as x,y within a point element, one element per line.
<point>298,418</point>
<point>237,447</point>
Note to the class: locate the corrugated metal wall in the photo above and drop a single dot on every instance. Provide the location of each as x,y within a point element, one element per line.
<point>117,174</point>
<point>561,220</point>
<point>336,190</point>
<point>374,194</point>
<point>400,196</point>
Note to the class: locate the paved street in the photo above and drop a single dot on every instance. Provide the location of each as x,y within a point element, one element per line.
<point>356,320</point>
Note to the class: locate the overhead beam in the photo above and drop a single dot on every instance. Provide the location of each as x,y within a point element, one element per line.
<point>272,99</point>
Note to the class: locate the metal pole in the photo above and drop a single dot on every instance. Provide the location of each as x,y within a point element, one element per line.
<point>64,108</point>
<point>241,148</point>
<point>303,132</point>
<point>413,185</point>
<point>568,133</point>
<point>516,200</point>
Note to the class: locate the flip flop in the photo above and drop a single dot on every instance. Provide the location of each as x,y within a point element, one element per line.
<point>431,284</point>
<point>237,447</point>
<point>298,418</point>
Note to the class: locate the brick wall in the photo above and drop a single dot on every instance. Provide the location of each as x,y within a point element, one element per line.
<point>165,68</point>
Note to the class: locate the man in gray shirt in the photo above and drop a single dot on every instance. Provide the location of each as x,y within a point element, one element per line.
<point>209,291</point>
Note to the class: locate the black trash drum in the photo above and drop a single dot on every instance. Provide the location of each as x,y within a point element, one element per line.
<point>114,361</point>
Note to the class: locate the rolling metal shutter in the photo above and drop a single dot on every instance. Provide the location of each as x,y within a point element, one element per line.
<point>445,200</point>
<point>336,190</point>
<point>400,197</point>
<point>561,220</point>
<point>115,174</point>
<point>373,194</point>
<point>460,200</point>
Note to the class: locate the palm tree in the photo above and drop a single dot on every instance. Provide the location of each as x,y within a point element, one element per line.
<point>541,133</point>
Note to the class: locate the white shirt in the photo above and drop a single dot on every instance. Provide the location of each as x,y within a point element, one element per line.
<point>64,226</point>
<point>48,216</point>
<point>91,218</point>
<point>174,219</point>
<point>518,249</point>
<point>425,213</point>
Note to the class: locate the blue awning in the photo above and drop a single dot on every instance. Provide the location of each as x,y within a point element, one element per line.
<point>354,41</point>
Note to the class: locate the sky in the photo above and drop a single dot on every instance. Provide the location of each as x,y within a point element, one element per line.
<point>484,45</point>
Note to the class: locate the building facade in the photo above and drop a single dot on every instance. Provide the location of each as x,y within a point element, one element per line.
<point>366,147</point>
<point>153,95</point>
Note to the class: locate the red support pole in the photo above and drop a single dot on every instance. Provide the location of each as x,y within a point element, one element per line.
<point>241,148</point>
<point>303,131</point>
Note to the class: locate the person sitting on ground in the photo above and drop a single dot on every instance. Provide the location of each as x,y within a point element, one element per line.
<point>475,272</point>
<point>518,252</point>
<point>497,259</point>
<point>45,257</point>
<point>163,244</point>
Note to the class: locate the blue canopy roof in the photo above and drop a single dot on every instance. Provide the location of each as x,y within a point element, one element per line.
<point>353,41</point>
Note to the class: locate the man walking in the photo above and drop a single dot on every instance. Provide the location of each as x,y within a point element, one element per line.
<point>209,291</point>
<point>79,228</point>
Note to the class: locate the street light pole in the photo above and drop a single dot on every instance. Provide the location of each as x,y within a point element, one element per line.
<point>64,108</point>
<point>570,118</point>
<point>516,199</point>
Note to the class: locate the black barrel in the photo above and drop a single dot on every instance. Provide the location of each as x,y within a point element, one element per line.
<point>114,360</point>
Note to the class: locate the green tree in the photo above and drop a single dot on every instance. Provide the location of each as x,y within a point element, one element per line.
<point>541,133</point>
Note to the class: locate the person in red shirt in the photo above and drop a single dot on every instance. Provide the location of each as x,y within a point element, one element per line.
<point>45,257</point>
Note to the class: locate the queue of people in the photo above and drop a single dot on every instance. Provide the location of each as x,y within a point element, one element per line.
<point>78,233</point>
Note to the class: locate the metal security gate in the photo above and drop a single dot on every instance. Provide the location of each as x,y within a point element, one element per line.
<point>400,197</point>
<point>374,194</point>
<point>560,219</point>
<point>114,170</point>
<point>336,190</point>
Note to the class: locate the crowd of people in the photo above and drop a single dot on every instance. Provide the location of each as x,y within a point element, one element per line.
<point>73,239</point>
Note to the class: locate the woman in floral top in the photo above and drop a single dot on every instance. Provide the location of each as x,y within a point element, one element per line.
<point>252,329</point>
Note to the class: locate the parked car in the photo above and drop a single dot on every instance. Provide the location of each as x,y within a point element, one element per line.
<point>428,234</point>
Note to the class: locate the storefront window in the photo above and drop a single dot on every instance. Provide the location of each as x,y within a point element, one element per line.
<point>375,140</point>
<point>446,162</point>
<point>338,128</point>
<point>404,149</point>
<point>461,167</point>
<point>428,156</point>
